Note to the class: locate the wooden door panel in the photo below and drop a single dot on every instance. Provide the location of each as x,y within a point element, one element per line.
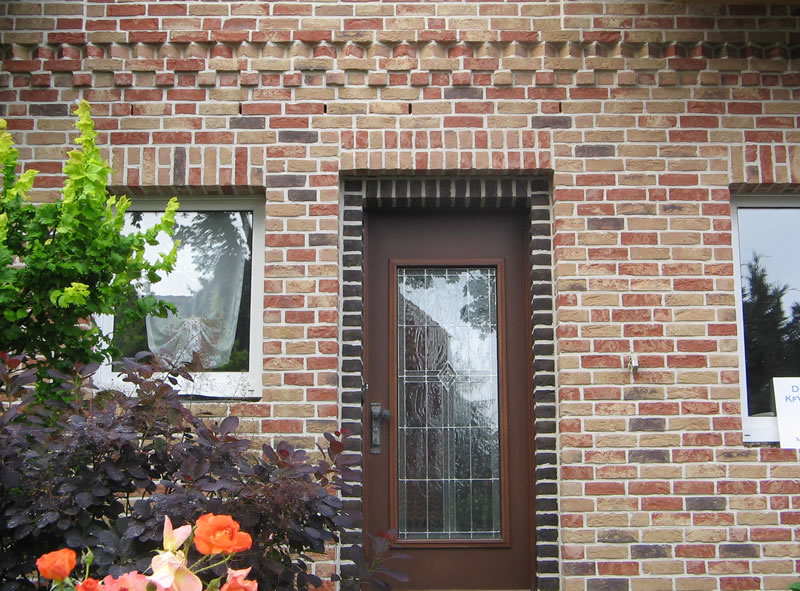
<point>491,548</point>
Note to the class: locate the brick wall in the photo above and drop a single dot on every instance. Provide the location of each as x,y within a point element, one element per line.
<point>644,114</point>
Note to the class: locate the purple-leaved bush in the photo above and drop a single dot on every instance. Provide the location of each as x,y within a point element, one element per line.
<point>101,471</point>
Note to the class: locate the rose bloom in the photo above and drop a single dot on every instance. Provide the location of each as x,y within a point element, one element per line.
<point>219,534</point>
<point>236,581</point>
<point>132,581</point>
<point>89,584</point>
<point>56,565</point>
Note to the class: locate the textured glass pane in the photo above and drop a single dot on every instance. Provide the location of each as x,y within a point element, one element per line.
<point>210,288</point>
<point>463,491</point>
<point>435,348</point>
<point>461,452</point>
<point>416,506</point>
<point>436,454</point>
<point>435,407</point>
<point>415,402</point>
<point>483,452</point>
<point>461,411</point>
<point>482,505</point>
<point>436,506</point>
<point>448,438</point>
<point>414,341</point>
<point>415,456</point>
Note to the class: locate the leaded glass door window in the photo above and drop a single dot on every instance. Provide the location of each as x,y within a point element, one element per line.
<point>448,433</point>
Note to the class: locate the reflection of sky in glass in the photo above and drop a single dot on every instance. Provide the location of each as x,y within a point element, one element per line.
<point>446,297</point>
<point>773,234</point>
<point>443,299</point>
<point>193,267</point>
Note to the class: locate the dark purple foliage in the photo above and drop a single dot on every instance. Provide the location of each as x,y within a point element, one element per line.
<point>102,470</point>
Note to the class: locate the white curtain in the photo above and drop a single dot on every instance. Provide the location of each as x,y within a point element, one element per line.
<point>205,287</point>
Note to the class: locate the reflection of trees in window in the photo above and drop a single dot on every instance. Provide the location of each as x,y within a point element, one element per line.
<point>215,238</point>
<point>772,341</point>
<point>478,313</point>
<point>216,241</point>
<point>449,432</point>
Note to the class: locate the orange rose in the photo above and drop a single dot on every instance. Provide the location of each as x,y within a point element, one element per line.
<point>219,534</point>
<point>89,584</point>
<point>56,565</point>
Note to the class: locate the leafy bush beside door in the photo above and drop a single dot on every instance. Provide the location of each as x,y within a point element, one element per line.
<point>66,261</point>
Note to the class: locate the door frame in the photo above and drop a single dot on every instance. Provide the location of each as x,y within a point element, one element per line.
<point>528,193</point>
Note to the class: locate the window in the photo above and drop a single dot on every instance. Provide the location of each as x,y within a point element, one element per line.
<point>766,234</point>
<point>216,287</point>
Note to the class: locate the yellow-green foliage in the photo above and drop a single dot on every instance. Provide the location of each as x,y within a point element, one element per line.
<point>75,261</point>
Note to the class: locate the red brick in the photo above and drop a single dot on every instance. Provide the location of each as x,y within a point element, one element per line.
<point>130,137</point>
<point>294,301</point>
<point>213,137</point>
<point>463,122</point>
<point>692,455</point>
<point>601,361</point>
<point>281,426</point>
<point>649,488</point>
<point>289,122</point>
<point>577,473</point>
<point>144,95</point>
<point>777,455</point>
<point>285,239</point>
<point>618,568</point>
<point>362,24</point>
<point>686,361</point>
<point>605,488</point>
<point>138,24</point>
<point>741,487</point>
<point>717,519</point>
<point>662,504</point>
<point>693,488</point>
<point>695,551</point>
<point>740,583</point>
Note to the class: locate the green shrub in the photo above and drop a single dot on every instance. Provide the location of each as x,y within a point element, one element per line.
<point>64,262</point>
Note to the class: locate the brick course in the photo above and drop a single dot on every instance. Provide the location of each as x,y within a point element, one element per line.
<point>643,117</point>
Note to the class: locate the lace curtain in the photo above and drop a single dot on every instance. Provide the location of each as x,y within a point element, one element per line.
<point>205,287</point>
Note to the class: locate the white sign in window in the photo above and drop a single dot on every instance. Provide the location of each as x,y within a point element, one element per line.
<point>787,408</point>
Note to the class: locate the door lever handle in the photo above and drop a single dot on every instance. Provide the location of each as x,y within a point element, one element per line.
<point>377,415</point>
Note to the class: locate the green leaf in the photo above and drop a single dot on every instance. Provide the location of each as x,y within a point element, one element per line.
<point>75,294</point>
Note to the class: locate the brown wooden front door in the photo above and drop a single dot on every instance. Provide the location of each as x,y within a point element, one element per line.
<point>447,355</point>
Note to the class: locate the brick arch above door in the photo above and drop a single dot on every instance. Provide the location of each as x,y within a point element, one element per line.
<point>529,194</point>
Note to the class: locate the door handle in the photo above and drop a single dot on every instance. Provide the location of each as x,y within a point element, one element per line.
<point>377,415</point>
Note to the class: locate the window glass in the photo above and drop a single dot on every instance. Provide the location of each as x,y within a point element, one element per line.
<point>768,243</point>
<point>216,287</point>
<point>448,419</point>
<point>210,287</point>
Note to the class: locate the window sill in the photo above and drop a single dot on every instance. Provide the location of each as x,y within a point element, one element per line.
<point>760,430</point>
<point>231,385</point>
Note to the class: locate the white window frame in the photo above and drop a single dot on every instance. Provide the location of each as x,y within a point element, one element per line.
<point>759,428</point>
<point>217,384</point>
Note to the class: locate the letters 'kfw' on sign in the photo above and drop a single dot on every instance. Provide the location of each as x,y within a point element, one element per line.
<point>787,409</point>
